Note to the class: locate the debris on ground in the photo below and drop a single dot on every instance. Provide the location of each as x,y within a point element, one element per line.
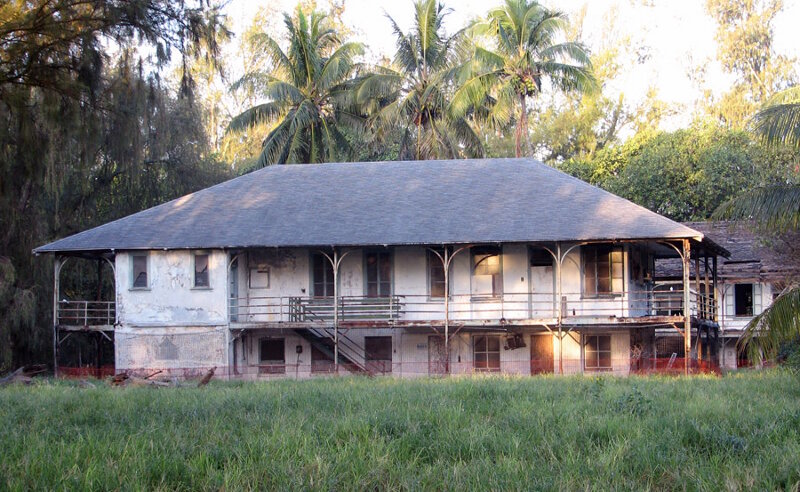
<point>23,375</point>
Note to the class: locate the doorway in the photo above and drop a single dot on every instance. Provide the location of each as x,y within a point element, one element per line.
<point>541,354</point>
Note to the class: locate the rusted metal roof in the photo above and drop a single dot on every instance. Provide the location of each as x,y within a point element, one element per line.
<point>384,203</point>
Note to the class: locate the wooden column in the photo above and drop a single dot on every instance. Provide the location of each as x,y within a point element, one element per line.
<point>687,312</point>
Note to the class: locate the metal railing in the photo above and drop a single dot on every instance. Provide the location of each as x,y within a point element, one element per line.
<point>513,306</point>
<point>86,313</point>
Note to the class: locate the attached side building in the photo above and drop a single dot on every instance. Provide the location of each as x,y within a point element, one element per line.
<point>407,268</point>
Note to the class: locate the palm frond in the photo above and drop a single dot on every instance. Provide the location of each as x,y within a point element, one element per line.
<point>263,113</point>
<point>775,207</point>
<point>779,124</point>
<point>777,324</point>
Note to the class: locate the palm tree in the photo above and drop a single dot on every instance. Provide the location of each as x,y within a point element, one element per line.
<point>775,208</point>
<point>526,53</point>
<point>412,95</point>
<point>309,99</point>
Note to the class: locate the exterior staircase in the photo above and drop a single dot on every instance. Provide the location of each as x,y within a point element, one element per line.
<point>351,354</point>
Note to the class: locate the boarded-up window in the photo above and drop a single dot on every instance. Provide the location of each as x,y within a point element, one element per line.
<point>379,274</point>
<point>201,270</point>
<point>322,276</point>
<point>597,352</point>
<point>436,274</point>
<point>486,353</point>
<point>272,356</point>
<point>603,270</point>
<point>378,354</point>
<point>487,273</point>
<point>139,271</point>
<point>743,294</point>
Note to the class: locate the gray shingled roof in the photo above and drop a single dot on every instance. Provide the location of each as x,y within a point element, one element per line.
<point>416,202</point>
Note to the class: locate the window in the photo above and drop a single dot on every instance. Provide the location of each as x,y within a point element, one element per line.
<point>201,271</point>
<point>602,270</point>
<point>378,354</point>
<point>486,355</point>
<point>379,274</point>
<point>139,271</point>
<point>540,257</point>
<point>322,276</point>
<point>435,274</point>
<point>597,352</point>
<point>272,356</point>
<point>487,274</point>
<point>743,299</point>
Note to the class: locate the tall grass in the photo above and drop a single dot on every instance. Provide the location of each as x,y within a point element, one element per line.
<point>736,432</point>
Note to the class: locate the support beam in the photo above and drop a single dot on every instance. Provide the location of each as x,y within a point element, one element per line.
<point>56,288</point>
<point>446,257</point>
<point>687,311</point>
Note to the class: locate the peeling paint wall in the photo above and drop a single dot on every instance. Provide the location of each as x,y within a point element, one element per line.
<point>170,298</point>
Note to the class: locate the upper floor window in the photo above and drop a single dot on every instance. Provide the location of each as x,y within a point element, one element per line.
<point>487,272</point>
<point>379,273</point>
<point>201,270</point>
<point>435,274</point>
<point>139,271</point>
<point>602,270</point>
<point>743,299</point>
<point>321,276</point>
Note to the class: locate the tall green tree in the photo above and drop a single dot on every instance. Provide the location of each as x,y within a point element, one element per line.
<point>526,52</point>
<point>412,96</point>
<point>775,208</point>
<point>84,139</point>
<point>308,91</point>
<point>745,48</point>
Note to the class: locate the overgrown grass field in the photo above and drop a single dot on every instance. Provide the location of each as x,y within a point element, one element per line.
<point>735,432</point>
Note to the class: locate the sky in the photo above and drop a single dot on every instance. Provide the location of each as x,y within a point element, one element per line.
<point>676,37</point>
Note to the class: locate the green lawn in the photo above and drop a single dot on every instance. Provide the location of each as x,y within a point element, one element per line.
<point>735,432</point>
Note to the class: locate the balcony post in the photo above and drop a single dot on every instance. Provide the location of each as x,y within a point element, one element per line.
<point>56,286</point>
<point>560,312</point>
<point>446,264</point>
<point>335,311</point>
<point>687,310</point>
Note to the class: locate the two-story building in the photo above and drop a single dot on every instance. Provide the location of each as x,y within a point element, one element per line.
<point>408,268</point>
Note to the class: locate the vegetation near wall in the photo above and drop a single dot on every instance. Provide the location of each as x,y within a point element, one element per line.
<point>737,432</point>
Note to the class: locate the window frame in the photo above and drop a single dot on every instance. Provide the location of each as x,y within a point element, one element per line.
<point>207,254</point>
<point>312,282</point>
<point>610,351</point>
<point>485,353</point>
<point>365,272</point>
<point>264,366</point>
<point>612,248</point>
<point>480,250</point>
<point>751,312</point>
<point>431,260</point>
<point>133,285</point>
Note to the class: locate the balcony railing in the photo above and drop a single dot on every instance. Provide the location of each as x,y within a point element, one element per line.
<point>86,313</point>
<point>466,307</point>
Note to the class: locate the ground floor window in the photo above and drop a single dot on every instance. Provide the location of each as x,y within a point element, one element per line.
<point>486,353</point>
<point>378,354</point>
<point>272,356</point>
<point>597,352</point>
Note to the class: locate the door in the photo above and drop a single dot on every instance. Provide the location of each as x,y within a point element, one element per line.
<point>541,354</point>
<point>378,354</point>
<point>437,357</point>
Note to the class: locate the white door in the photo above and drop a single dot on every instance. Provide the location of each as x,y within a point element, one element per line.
<point>543,292</point>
